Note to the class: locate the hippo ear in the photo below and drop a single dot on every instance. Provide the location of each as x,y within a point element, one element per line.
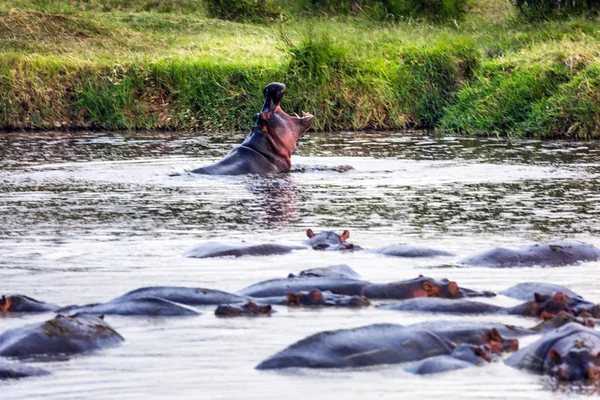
<point>344,236</point>
<point>428,286</point>
<point>539,298</point>
<point>101,316</point>
<point>495,335</point>
<point>555,356</point>
<point>310,233</point>
<point>5,304</point>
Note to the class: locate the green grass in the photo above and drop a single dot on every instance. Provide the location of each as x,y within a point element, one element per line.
<point>136,64</point>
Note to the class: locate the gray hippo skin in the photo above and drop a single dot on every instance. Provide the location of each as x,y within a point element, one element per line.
<point>20,303</point>
<point>14,370</point>
<point>60,335</point>
<point>524,291</point>
<point>281,287</point>
<point>537,307</point>
<point>549,254</point>
<point>189,296</point>
<point>269,146</point>
<point>464,356</point>
<point>407,251</point>
<point>215,249</point>
<point>146,306</point>
<point>333,271</point>
<point>569,353</point>
<point>250,309</point>
<point>359,347</point>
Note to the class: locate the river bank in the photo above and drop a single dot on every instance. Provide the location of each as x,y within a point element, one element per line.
<point>129,68</point>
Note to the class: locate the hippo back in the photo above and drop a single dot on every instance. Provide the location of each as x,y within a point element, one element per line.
<point>281,287</point>
<point>359,347</point>
<point>60,335</point>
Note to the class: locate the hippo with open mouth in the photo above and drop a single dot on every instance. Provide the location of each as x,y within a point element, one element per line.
<point>269,146</point>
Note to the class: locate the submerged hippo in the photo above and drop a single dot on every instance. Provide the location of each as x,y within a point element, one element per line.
<point>364,346</point>
<point>269,146</point>
<point>60,335</point>
<point>147,306</point>
<point>14,370</point>
<point>464,356</point>
<point>540,304</point>
<point>20,303</point>
<point>250,309</point>
<point>184,295</point>
<point>548,254</point>
<point>332,271</point>
<point>408,251</point>
<point>569,353</point>
<point>419,287</point>
<point>359,347</point>
<point>318,298</point>
<point>326,240</point>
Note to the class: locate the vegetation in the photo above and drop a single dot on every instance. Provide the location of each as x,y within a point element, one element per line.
<point>164,64</point>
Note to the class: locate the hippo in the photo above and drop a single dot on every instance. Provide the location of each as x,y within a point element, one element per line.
<point>332,271</point>
<point>524,291</point>
<point>317,298</point>
<point>281,287</point>
<point>328,240</point>
<point>364,346</point>
<point>419,287</point>
<point>569,353</point>
<point>61,335</point>
<point>549,254</point>
<point>552,305</point>
<point>464,356</point>
<point>189,296</point>
<point>249,309</point>
<point>269,146</point>
<point>407,251</point>
<point>359,347</point>
<point>14,370</point>
<point>148,306</point>
<point>216,249</point>
<point>20,303</point>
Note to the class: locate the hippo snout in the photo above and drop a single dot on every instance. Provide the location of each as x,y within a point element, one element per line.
<point>275,92</point>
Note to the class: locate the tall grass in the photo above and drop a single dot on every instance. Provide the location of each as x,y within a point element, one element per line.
<point>130,68</point>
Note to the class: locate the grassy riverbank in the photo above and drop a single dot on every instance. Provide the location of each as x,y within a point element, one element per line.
<point>165,65</point>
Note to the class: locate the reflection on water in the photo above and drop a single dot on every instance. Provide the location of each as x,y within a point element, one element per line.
<point>85,217</point>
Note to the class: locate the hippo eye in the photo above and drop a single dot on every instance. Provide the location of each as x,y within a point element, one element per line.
<point>593,373</point>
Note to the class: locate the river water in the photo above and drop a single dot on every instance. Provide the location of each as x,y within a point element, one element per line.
<point>85,217</point>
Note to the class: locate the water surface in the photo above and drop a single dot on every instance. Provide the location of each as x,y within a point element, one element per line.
<point>85,217</point>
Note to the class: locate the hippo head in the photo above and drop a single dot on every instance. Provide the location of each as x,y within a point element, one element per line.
<point>563,318</point>
<point>498,344</point>
<point>235,310</point>
<point>313,298</point>
<point>328,240</point>
<point>550,304</point>
<point>477,355</point>
<point>428,287</point>
<point>576,365</point>
<point>281,130</point>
